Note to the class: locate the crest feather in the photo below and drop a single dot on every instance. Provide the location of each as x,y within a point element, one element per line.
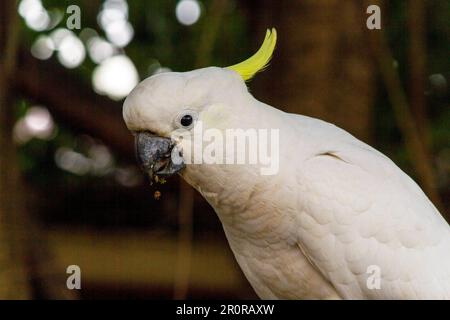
<point>259,61</point>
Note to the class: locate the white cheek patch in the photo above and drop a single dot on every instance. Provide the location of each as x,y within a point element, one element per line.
<point>216,116</point>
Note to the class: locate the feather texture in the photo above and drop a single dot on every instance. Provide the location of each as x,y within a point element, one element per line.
<point>336,209</point>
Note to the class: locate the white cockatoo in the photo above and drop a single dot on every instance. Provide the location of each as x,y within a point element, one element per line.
<point>334,219</point>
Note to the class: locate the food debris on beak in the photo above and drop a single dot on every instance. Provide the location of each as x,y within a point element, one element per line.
<point>157,156</point>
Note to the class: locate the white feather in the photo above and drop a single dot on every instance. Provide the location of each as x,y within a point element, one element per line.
<point>335,208</point>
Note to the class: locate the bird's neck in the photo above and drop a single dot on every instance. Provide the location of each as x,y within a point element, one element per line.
<point>243,200</point>
<point>235,190</point>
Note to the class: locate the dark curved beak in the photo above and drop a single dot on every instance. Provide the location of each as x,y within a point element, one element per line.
<point>157,156</point>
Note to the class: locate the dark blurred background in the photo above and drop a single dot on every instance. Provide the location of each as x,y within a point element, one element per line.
<point>70,190</point>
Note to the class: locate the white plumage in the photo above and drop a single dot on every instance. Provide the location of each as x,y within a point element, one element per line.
<point>336,208</point>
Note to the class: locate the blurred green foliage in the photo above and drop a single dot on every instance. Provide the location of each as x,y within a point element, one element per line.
<point>387,133</point>
<point>160,40</point>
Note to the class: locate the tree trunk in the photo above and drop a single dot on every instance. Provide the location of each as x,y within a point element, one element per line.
<point>26,267</point>
<point>14,282</point>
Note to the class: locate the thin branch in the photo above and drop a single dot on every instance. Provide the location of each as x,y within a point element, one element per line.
<point>418,153</point>
<point>417,65</point>
<point>72,103</point>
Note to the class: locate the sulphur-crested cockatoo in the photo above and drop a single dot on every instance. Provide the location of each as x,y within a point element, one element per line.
<point>328,218</point>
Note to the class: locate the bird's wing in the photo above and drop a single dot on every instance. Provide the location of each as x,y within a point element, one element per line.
<point>361,217</point>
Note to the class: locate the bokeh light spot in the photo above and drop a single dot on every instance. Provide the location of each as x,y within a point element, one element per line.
<point>115,77</point>
<point>188,12</point>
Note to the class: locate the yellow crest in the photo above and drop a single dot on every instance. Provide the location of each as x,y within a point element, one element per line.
<point>259,61</point>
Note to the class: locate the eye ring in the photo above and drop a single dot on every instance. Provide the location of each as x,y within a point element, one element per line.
<point>186,119</point>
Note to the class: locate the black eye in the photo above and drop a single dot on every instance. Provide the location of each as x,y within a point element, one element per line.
<point>186,120</point>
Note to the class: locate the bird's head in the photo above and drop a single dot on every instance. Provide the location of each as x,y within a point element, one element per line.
<point>166,107</point>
